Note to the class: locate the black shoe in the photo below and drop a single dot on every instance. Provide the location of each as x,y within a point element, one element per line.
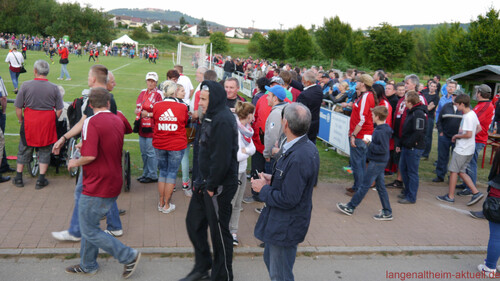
<point>401,196</point>
<point>196,276</point>
<point>477,215</point>
<point>129,269</point>
<point>424,158</point>
<point>122,212</point>
<point>7,170</point>
<point>404,201</point>
<point>140,178</point>
<point>41,183</point>
<point>18,182</point>
<point>437,179</point>
<point>147,180</point>
<point>395,183</point>
<point>262,245</point>
<point>465,192</point>
<point>4,179</point>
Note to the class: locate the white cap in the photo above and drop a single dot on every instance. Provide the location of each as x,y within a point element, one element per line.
<point>152,76</point>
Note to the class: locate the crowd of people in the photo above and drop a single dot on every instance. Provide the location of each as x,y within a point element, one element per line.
<point>390,131</point>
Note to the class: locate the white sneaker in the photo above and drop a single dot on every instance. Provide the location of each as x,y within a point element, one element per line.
<point>115,233</point>
<point>170,209</point>
<point>65,236</point>
<point>491,273</point>
<point>160,207</point>
<point>59,78</point>
<point>188,192</point>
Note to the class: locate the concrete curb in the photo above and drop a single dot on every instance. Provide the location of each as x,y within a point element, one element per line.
<point>259,251</point>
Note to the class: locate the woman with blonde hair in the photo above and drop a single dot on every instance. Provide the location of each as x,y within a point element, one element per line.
<point>244,117</point>
<point>180,94</point>
<point>169,140</point>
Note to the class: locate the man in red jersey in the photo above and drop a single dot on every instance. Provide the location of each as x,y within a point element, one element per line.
<point>101,150</point>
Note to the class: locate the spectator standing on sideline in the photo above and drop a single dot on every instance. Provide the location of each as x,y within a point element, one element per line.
<point>493,253</point>
<point>101,149</point>
<point>378,155</point>
<point>185,82</point>
<point>312,97</point>
<point>261,86</point>
<point>484,111</point>
<point>463,152</point>
<point>246,148</point>
<point>361,125</point>
<point>63,52</point>
<point>284,220</point>
<point>39,98</point>
<point>229,68</point>
<point>15,61</point>
<point>432,98</point>
<point>144,111</point>
<point>448,124</point>
<point>214,189</point>
<point>4,167</point>
<point>451,87</point>
<point>411,146</point>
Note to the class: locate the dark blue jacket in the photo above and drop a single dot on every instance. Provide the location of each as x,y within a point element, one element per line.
<point>285,219</point>
<point>378,151</point>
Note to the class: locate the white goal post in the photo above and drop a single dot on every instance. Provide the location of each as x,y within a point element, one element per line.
<point>192,56</point>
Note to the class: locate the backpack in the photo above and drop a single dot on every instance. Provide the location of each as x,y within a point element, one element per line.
<point>75,110</point>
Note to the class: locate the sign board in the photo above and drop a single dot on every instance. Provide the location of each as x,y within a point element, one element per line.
<point>334,129</point>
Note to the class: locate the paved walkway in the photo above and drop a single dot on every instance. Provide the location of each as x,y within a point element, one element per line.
<point>28,216</point>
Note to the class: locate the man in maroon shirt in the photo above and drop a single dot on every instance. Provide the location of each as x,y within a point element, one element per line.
<point>101,150</point>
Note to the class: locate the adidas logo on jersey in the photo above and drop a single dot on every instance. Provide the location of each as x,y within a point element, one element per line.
<point>168,115</point>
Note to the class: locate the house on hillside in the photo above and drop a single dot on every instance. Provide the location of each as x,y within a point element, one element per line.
<point>126,21</point>
<point>234,33</point>
<point>190,29</point>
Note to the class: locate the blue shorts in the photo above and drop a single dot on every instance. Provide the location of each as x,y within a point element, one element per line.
<point>168,164</point>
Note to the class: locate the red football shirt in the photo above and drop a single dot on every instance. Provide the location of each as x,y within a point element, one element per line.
<point>170,119</point>
<point>484,111</point>
<point>102,137</point>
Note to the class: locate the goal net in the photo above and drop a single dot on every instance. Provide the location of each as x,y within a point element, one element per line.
<point>191,57</point>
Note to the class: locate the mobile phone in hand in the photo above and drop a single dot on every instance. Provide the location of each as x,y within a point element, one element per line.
<point>255,174</point>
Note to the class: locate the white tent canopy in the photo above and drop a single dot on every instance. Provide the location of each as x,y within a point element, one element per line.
<point>125,40</point>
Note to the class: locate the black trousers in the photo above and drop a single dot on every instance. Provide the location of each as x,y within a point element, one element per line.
<point>258,164</point>
<point>214,213</point>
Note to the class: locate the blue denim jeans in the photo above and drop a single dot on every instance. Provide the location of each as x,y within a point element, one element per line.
<point>112,217</point>
<point>408,165</point>
<point>91,209</point>
<point>64,71</point>
<point>428,137</point>
<point>493,252</point>
<point>185,165</point>
<point>444,147</point>
<point>148,153</point>
<point>279,261</point>
<point>168,164</point>
<point>14,76</point>
<point>374,172</point>
<point>358,162</point>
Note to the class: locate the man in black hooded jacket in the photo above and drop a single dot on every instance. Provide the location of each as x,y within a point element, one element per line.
<point>210,205</point>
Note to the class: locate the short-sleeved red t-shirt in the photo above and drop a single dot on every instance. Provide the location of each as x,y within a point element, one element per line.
<point>170,119</point>
<point>102,137</point>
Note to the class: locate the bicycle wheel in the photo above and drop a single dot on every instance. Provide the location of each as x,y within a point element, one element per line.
<point>126,171</point>
<point>69,153</point>
<point>33,165</point>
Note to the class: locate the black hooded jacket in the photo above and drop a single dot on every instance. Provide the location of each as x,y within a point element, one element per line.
<point>414,127</point>
<point>218,141</point>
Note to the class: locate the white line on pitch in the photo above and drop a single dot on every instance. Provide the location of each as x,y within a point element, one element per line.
<point>120,67</point>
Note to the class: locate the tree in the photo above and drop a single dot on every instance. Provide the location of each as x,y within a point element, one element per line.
<point>481,44</point>
<point>298,43</point>
<point>182,21</point>
<point>219,42</point>
<point>273,46</point>
<point>419,60</point>
<point>255,42</point>
<point>333,38</point>
<point>156,27</point>
<point>203,29</point>
<point>443,38</point>
<point>140,33</point>
<point>386,47</point>
<point>354,51</point>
